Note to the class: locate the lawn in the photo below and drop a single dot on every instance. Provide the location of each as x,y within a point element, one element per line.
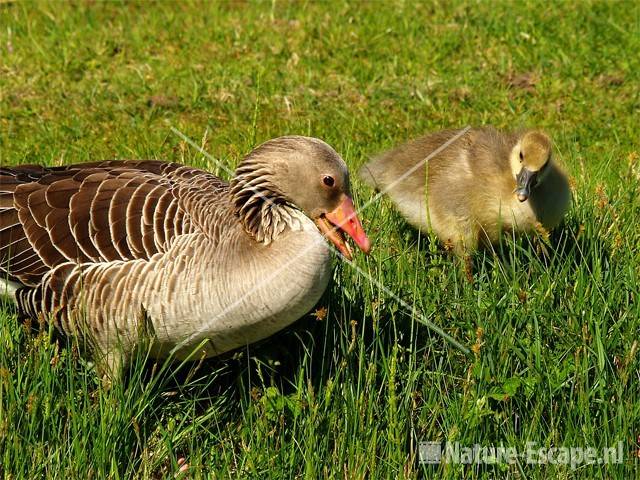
<point>551,325</point>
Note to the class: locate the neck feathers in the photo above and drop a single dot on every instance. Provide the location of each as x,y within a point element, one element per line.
<point>263,210</point>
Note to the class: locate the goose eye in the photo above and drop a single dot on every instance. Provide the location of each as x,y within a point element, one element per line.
<point>521,156</point>
<point>328,181</point>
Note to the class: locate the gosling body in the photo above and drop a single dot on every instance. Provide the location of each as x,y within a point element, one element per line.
<point>477,187</point>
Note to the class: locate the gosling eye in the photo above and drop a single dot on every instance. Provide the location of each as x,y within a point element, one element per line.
<point>521,156</point>
<point>328,180</point>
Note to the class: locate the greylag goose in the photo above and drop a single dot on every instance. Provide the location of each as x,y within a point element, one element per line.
<point>100,248</point>
<point>483,183</point>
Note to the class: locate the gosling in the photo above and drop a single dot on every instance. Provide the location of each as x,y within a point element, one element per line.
<point>482,184</point>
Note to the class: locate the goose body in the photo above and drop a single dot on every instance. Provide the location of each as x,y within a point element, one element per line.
<point>107,249</point>
<point>484,183</point>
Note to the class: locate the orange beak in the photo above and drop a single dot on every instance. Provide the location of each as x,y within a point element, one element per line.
<point>344,219</point>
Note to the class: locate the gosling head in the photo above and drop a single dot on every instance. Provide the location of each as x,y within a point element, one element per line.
<point>529,161</point>
<point>309,174</point>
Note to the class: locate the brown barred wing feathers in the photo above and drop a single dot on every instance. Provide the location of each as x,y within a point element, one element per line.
<point>100,212</point>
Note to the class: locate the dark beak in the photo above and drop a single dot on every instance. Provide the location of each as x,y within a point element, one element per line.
<point>524,182</point>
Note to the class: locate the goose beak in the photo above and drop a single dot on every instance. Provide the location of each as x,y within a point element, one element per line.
<point>344,219</point>
<point>524,181</point>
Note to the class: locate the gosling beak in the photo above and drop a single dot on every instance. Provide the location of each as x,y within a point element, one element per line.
<point>344,219</point>
<point>524,182</point>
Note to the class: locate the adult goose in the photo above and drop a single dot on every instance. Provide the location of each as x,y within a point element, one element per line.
<point>99,248</point>
<point>481,184</point>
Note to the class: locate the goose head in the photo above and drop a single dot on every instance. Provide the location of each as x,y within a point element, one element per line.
<point>529,161</point>
<point>294,174</point>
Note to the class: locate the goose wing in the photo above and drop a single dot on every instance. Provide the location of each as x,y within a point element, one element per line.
<point>101,212</point>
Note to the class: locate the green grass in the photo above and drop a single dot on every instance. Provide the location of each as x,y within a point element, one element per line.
<point>555,335</point>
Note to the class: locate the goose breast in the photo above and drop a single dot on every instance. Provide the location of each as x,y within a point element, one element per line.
<point>231,300</point>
